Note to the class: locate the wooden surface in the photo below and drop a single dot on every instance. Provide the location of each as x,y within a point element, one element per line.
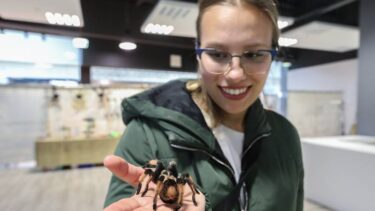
<point>55,153</point>
<point>68,190</point>
<point>65,190</point>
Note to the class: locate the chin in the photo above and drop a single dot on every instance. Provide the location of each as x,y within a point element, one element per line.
<point>234,111</point>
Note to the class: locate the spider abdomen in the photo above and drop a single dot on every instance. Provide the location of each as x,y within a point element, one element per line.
<point>169,184</point>
<point>169,194</point>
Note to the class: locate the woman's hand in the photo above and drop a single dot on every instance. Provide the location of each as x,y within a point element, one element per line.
<point>130,174</point>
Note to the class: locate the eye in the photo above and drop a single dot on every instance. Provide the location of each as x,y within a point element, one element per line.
<point>219,56</point>
<point>254,55</point>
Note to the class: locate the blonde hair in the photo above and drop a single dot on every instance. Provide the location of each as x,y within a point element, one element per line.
<point>211,111</point>
<point>269,8</point>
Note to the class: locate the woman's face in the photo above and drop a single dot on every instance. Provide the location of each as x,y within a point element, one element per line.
<point>234,29</point>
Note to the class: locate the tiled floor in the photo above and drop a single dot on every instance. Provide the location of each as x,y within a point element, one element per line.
<point>65,190</point>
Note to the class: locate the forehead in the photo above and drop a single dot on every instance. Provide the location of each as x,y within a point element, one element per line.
<point>235,26</point>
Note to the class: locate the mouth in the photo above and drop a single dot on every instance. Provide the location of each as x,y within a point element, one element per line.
<point>237,93</point>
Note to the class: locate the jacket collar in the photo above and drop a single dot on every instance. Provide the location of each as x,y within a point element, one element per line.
<point>256,123</point>
<point>172,107</point>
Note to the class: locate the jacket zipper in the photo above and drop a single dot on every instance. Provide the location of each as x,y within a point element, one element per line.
<point>246,204</point>
<point>254,142</point>
<point>213,157</point>
<point>224,164</point>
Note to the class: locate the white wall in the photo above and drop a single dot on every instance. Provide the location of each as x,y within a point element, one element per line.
<point>339,76</point>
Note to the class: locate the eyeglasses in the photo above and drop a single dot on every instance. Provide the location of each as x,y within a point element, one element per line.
<point>218,62</point>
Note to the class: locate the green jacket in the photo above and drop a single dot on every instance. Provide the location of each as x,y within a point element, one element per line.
<point>164,123</point>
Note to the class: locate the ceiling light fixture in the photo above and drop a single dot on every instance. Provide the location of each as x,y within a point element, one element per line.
<point>284,41</point>
<point>63,19</point>
<point>128,46</point>
<point>80,42</point>
<point>282,24</point>
<point>158,29</point>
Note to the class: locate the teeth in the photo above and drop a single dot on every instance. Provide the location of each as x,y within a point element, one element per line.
<point>234,91</point>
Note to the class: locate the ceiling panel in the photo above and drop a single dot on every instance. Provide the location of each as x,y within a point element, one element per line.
<point>115,20</point>
<point>175,16</point>
<point>34,10</point>
<point>325,36</point>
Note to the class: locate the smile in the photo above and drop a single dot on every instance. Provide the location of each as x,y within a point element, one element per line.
<point>235,93</point>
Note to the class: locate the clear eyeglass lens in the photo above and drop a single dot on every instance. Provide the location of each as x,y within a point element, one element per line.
<point>218,62</point>
<point>256,57</point>
<point>218,56</point>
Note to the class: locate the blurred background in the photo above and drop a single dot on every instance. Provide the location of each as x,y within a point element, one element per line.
<point>66,65</point>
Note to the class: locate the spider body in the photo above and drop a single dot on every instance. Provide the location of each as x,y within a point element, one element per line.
<point>169,184</point>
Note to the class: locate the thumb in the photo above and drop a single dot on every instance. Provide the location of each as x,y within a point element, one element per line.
<point>123,170</point>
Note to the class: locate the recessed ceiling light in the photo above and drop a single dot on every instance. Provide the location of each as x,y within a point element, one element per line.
<point>159,29</point>
<point>284,41</point>
<point>67,20</point>
<point>59,19</point>
<point>128,46</point>
<point>76,21</point>
<point>50,17</point>
<point>62,19</point>
<point>80,42</point>
<point>284,22</point>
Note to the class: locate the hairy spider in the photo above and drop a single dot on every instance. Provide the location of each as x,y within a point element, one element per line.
<point>169,184</point>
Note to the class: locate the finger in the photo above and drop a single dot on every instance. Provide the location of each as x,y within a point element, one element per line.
<point>127,204</point>
<point>123,170</point>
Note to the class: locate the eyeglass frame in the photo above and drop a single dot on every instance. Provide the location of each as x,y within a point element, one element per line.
<point>199,51</point>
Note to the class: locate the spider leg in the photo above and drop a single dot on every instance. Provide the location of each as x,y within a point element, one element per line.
<point>190,182</point>
<point>148,172</point>
<point>159,186</point>
<point>140,183</point>
<point>147,183</point>
<point>194,189</point>
<point>180,185</point>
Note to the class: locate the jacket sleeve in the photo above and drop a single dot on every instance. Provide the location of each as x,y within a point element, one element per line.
<point>300,191</point>
<point>134,147</point>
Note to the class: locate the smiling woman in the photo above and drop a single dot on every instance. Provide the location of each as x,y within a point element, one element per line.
<point>240,155</point>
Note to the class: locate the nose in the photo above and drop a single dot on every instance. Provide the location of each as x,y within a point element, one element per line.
<point>235,72</point>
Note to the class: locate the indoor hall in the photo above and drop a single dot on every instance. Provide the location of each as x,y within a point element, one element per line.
<point>66,67</point>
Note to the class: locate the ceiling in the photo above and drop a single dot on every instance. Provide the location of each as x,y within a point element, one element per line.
<point>316,23</point>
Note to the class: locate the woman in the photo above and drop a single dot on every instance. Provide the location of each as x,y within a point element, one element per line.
<point>241,156</point>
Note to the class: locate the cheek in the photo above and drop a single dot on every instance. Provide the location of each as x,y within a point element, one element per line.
<point>259,84</point>
<point>207,78</point>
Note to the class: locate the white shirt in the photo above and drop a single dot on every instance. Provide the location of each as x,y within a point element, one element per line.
<point>231,143</point>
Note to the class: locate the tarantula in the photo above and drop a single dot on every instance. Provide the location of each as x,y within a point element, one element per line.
<point>169,184</point>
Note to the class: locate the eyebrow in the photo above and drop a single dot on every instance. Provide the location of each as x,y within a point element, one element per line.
<point>217,46</point>
<point>248,47</point>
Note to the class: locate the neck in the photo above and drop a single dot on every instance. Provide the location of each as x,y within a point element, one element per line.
<point>234,121</point>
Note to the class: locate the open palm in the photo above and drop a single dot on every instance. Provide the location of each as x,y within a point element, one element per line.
<point>131,174</point>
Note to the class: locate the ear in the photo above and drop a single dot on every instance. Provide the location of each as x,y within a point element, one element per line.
<point>196,45</point>
<point>198,59</point>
